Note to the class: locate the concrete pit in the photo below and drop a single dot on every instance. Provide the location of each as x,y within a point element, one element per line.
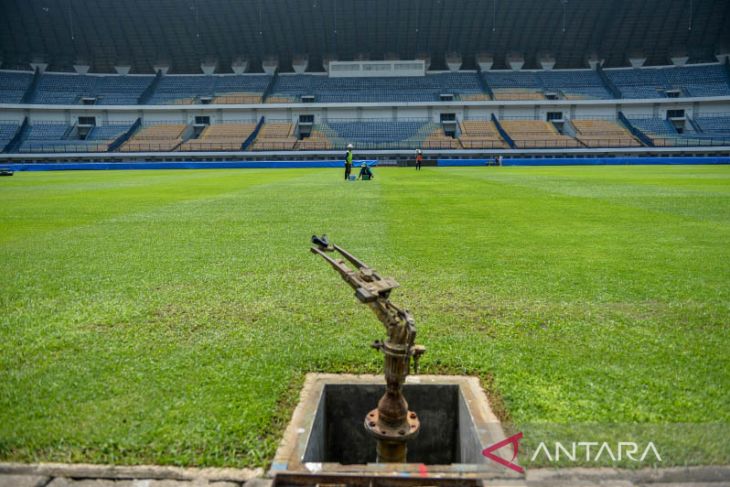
<point>327,439</point>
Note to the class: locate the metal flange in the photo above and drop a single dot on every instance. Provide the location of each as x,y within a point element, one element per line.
<point>383,431</point>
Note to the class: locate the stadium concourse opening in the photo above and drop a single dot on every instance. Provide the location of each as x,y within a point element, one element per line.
<point>571,211</point>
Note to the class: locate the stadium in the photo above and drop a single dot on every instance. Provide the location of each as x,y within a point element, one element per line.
<point>545,184</point>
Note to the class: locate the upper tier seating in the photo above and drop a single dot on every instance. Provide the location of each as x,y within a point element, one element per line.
<point>67,88</point>
<point>221,137</point>
<point>275,136</point>
<point>694,81</point>
<point>290,88</point>
<point>575,84</point>
<point>517,94</point>
<point>529,134</point>
<point>70,89</point>
<point>7,132</point>
<point>532,85</point>
<point>160,138</point>
<point>480,134</point>
<point>638,83</point>
<point>13,85</point>
<point>186,90</point>
<point>513,85</point>
<point>603,133</point>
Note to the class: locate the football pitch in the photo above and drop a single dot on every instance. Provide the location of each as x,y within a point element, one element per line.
<point>169,317</point>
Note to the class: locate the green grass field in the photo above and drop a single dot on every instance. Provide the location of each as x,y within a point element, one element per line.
<point>169,317</point>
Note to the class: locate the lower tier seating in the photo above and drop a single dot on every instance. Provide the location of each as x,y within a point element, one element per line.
<point>59,137</point>
<point>7,132</point>
<point>439,140</point>
<point>529,134</point>
<point>603,133</point>
<point>317,140</point>
<point>156,138</point>
<point>220,137</point>
<point>275,136</point>
<point>480,134</point>
<point>378,134</point>
<point>38,137</point>
<point>711,131</point>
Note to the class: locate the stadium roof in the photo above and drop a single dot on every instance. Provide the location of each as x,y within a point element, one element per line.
<point>185,32</point>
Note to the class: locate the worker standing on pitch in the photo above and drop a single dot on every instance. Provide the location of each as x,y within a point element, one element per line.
<point>419,159</point>
<point>348,162</point>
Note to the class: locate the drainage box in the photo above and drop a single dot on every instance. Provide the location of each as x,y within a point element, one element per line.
<point>326,438</point>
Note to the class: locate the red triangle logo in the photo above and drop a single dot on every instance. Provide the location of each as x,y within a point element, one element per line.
<point>515,442</point>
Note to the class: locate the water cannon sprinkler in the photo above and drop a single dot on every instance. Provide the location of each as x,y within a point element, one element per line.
<point>391,423</point>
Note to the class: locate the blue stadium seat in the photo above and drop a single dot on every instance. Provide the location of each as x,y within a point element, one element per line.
<point>377,134</point>
<point>713,131</point>
<point>7,132</point>
<point>182,89</point>
<point>577,84</point>
<point>654,126</point>
<point>513,79</point>
<point>107,133</point>
<point>54,137</point>
<point>694,81</point>
<point>375,89</point>
<point>720,124</point>
<point>13,85</point>
<point>69,89</point>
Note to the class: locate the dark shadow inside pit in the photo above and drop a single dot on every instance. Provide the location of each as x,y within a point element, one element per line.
<point>447,434</point>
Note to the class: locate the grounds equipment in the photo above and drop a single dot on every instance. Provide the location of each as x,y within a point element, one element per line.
<point>391,423</point>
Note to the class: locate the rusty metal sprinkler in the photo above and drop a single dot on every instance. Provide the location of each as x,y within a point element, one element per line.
<point>391,423</point>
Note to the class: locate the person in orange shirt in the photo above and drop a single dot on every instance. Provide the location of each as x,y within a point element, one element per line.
<point>419,159</point>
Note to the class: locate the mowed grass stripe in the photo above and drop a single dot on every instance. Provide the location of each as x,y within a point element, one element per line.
<point>179,331</point>
<point>699,195</point>
<point>56,200</point>
<point>518,231</point>
<point>533,287</point>
<point>175,332</point>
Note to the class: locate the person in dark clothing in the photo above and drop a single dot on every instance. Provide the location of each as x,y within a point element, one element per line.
<point>419,159</point>
<point>348,162</point>
<point>365,173</point>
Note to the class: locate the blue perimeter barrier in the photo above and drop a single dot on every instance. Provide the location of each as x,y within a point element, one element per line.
<point>589,161</point>
<point>586,161</point>
<point>113,166</point>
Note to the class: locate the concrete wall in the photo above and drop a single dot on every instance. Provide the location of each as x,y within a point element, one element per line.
<point>432,111</point>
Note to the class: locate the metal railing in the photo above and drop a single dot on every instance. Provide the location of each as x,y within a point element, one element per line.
<point>50,148</point>
<point>275,146</point>
<point>604,118</point>
<point>236,100</point>
<point>456,144</point>
<point>484,144</point>
<point>691,141</point>
<point>498,96</point>
<point>574,144</point>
